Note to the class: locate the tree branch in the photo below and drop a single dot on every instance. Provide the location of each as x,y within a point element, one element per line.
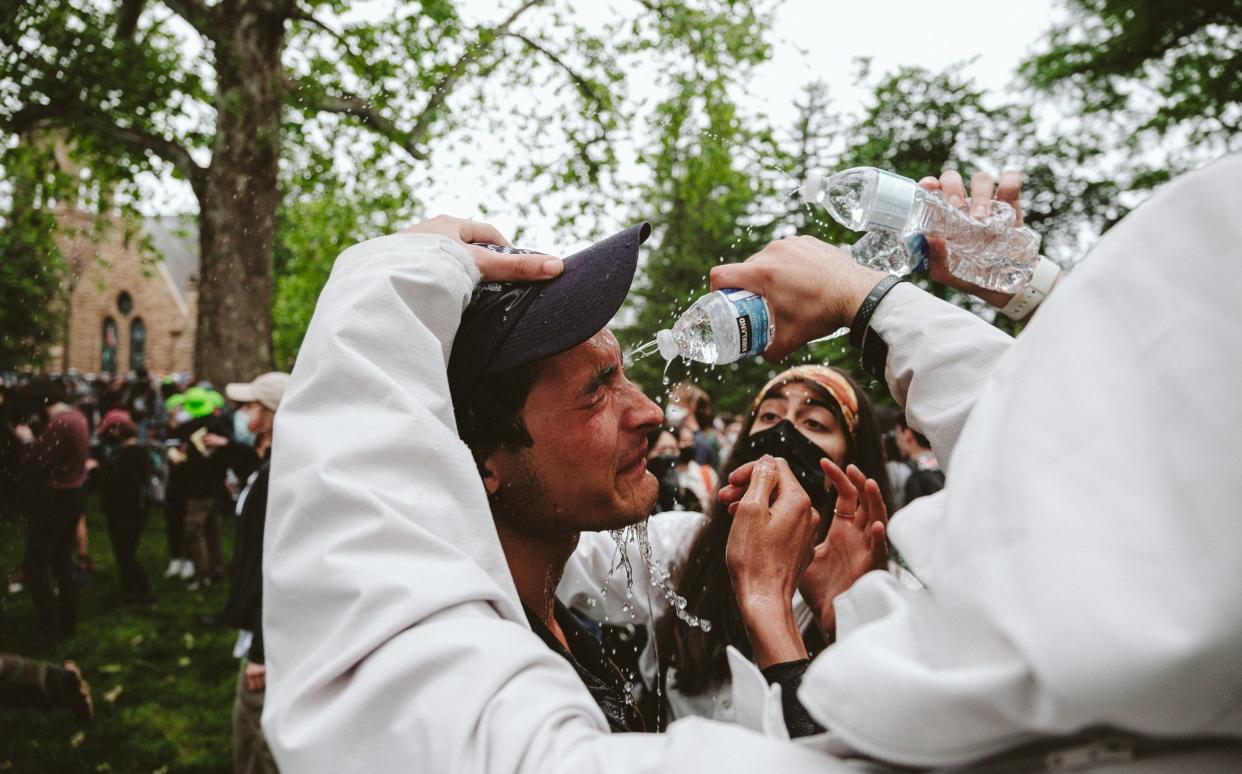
<point>127,18</point>
<point>33,117</point>
<point>298,14</point>
<point>585,87</point>
<point>350,105</point>
<point>168,150</point>
<point>200,16</point>
<point>444,88</point>
<point>411,140</point>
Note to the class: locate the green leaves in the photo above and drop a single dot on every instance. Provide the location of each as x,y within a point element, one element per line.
<point>32,266</point>
<point>1148,71</point>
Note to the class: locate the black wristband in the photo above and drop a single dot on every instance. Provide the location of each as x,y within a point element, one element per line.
<point>862,318</point>
<point>873,349</point>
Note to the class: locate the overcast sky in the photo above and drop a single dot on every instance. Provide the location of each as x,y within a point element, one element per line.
<point>811,39</point>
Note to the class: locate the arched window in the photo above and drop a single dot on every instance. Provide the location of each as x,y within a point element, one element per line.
<point>107,349</point>
<point>137,345</point>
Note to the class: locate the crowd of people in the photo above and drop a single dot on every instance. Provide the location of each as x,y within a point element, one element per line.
<point>512,552</point>
<point>189,450</point>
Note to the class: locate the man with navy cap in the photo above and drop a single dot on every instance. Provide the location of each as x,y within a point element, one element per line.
<point>558,433</point>
<point>381,545</point>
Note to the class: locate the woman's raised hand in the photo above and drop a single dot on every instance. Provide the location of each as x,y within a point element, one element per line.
<point>855,544</point>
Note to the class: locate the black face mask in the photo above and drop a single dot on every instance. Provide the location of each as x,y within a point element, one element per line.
<point>686,454</point>
<point>803,456</point>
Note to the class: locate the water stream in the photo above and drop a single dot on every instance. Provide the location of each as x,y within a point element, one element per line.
<point>659,576</point>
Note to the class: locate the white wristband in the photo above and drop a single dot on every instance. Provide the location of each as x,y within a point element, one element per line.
<point>1029,297</point>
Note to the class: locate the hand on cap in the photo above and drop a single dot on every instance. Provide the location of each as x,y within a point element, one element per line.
<point>979,204</point>
<point>500,267</point>
<point>812,288</point>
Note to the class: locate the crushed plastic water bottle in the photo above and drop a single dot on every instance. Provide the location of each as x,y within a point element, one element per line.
<point>889,251</point>
<point>992,253</point>
<point>720,327</point>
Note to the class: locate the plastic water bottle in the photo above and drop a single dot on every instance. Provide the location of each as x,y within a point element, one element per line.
<point>992,253</point>
<point>720,327</point>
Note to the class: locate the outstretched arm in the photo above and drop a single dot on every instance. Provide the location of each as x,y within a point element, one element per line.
<point>939,355</point>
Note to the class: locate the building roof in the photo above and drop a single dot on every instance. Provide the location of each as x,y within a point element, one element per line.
<point>176,239</point>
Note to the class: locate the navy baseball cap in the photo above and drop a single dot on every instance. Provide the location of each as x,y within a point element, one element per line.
<point>509,324</point>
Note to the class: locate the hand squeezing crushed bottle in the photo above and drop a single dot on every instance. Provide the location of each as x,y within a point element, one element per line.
<point>896,213</point>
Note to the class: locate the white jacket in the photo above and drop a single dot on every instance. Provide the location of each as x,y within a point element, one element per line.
<point>1082,563</point>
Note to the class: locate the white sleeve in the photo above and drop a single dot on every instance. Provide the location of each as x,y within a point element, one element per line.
<point>939,357</point>
<point>395,640</point>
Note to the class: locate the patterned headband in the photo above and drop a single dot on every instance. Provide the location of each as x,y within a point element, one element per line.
<point>830,379</point>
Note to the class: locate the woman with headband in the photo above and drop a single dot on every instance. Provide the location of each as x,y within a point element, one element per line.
<point>817,420</point>
<point>804,415</point>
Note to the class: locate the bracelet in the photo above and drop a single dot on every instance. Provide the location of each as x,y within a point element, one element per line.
<point>862,318</point>
<point>1035,291</point>
<point>868,342</point>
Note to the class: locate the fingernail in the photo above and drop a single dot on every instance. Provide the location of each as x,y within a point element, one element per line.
<point>955,201</point>
<point>553,267</point>
<point>980,211</point>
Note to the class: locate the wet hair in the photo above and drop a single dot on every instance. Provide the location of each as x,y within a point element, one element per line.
<point>704,581</point>
<point>919,438</point>
<point>491,417</point>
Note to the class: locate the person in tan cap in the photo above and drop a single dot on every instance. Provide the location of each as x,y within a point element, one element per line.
<point>259,398</point>
<point>259,401</point>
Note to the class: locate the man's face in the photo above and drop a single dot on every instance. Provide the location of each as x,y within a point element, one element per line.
<point>259,417</point>
<point>587,468</point>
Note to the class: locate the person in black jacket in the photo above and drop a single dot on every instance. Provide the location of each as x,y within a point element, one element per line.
<point>259,400</point>
<point>124,475</point>
<point>201,483</point>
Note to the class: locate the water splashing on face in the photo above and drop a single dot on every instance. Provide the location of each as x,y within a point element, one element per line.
<point>640,352</point>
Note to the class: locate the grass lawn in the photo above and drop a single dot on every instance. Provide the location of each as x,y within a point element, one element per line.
<point>162,681</point>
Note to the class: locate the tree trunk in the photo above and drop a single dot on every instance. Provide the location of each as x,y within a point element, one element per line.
<point>239,198</point>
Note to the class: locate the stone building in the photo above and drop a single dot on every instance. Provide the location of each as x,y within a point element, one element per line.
<point>129,309</point>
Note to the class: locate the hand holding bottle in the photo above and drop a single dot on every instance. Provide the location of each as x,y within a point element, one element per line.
<point>992,251</point>
<point>979,203</point>
<point>811,287</point>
